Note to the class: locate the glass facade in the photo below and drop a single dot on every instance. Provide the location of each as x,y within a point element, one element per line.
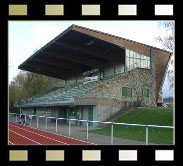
<point>134,59</point>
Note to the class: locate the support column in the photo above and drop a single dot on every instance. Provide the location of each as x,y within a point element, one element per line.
<point>87,130</point>
<point>69,127</point>
<point>112,129</point>
<point>147,135</point>
<point>20,110</point>
<point>153,72</point>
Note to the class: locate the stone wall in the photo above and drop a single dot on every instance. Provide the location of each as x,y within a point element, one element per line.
<point>161,57</point>
<point>137,79</point>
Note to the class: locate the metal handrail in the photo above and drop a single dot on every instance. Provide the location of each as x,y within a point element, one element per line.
<point>83,120</point>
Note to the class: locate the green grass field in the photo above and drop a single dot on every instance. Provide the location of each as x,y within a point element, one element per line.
<point>147,116</point>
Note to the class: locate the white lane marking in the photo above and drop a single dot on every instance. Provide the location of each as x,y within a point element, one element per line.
<point>41,135</point>
<point>61,135</point>
<point>25,137</point>
<point>11,143</point>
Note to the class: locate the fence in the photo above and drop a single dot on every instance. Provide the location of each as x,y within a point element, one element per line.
<point>30,118</point>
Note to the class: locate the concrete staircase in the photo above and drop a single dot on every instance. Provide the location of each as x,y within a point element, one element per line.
<point>115,116</point>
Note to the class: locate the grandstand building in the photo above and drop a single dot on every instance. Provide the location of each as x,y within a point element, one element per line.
<point>103,74</point>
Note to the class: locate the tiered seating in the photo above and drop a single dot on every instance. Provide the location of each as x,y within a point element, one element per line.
<point>78,91</point>
<point>66,94</point>
<point>47,92</point>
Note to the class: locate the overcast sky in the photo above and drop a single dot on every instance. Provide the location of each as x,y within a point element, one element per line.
<point>27,36</point>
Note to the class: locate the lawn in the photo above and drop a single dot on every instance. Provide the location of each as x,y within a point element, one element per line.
<point>147,116</point>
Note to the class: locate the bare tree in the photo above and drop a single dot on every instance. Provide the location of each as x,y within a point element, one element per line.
<point>167,40</point>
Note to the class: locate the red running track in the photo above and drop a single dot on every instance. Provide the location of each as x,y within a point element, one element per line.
<point>24,135</point>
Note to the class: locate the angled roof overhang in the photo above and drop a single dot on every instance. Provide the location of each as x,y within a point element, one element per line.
<point>162,57</point>
<point>71,53</point>
<point>79,49</point>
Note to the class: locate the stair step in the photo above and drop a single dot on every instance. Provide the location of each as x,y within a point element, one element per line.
<point>115,116</point>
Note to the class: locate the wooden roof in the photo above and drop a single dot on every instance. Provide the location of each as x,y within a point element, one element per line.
<point>72,53</point>
<point>79,49</point>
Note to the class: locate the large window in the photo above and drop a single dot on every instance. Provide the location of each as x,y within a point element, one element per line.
<point>109,70</point>
<point>127,92</point>
<point>146,92</point>
<point>119,68</point>
<point>134,59</point>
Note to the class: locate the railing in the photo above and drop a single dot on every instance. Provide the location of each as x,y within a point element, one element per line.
<point>87,121</point>
<point>37,103</point>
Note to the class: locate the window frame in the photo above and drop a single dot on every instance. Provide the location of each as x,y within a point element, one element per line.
<point>133,56</point>
<point>147,92</point>
<point>126,92</point>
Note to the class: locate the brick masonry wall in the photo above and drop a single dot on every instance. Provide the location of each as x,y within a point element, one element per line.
<point>137,79</point>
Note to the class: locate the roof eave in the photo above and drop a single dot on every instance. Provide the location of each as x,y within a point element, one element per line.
<point>48,44</point>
